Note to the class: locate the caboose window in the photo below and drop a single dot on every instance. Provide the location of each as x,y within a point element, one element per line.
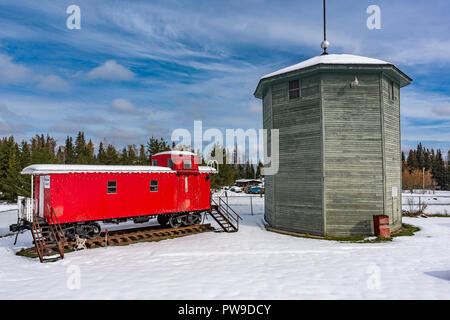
<point>154,186</point>
<point>170,163</point>
<point>187,164</point>
<point>294,89</point>
<point>154,162</point>
<point>112,186</point>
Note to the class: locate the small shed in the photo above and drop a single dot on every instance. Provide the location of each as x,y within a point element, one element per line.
<point>338,117</point>
<point>247,182</point>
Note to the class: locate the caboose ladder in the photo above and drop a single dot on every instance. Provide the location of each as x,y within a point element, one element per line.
<point>224,215</point>
<point>48,238</point>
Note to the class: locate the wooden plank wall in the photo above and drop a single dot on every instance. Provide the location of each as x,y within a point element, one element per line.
<point>353,152</point>
<point>392,153</point>
<point>268,180</point>
<point>298,184</point>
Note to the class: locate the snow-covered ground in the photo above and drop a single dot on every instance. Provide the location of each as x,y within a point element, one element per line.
<point>437,202</point>
<point>250,264</point>
<point>8,216</point>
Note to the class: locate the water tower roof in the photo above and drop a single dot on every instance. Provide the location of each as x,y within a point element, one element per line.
<point>338,60</point>
<point>327,59</point>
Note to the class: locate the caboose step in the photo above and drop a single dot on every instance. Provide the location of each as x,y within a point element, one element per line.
<point>47,237</point>
<point>224,215</point>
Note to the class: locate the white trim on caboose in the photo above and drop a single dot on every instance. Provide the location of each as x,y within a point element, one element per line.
<point>205,169</point>
<point>176,152</point>
<point>38,169</point>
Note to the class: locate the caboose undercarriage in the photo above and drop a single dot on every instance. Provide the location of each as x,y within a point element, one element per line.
<point>92,229</point>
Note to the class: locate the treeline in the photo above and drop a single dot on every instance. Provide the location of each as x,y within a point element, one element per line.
<point>230,170</point>
<point>425,168</point>
<point>41,149</point>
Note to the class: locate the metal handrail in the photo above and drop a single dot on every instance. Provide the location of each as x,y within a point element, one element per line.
<point>61,237</point>
<point>38,238</point>
<point>226,210</point>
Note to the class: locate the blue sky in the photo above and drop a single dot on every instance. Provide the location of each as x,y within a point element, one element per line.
<point>143,68</point>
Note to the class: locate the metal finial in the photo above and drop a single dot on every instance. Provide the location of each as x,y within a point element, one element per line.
<point>325,44</point>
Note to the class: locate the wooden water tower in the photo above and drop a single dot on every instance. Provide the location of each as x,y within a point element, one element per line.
<point>338,117</point>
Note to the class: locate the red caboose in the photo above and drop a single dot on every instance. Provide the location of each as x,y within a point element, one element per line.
<point>175,190</point>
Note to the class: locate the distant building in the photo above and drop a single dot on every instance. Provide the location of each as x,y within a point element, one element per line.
<point>247,182</point>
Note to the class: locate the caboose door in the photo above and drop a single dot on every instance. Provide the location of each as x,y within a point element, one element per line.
<point>183,194</point>
<point>41,197</point>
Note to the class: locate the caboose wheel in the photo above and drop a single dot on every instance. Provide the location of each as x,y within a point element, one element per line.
<point>94,230</point>
<point>175,221</point>
<point>162,219</point>
<point>196,218</point>
<point>90,231</point>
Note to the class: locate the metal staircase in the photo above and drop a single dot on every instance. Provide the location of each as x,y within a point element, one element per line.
<point>224,215</point>
<point>48,238</point>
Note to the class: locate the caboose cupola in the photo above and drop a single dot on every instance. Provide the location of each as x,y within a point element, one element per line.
<point>176,160</point>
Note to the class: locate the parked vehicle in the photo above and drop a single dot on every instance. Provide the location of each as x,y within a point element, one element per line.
<point>236,189</point>
<point>254,189</point>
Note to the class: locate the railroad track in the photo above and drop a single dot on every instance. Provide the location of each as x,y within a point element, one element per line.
<point>128,236</point>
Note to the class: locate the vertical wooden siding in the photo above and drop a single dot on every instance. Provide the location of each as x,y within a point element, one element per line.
<point>352,153</point>
<point>269,191</point>
<point>392,153</point>
<point>298,184</point>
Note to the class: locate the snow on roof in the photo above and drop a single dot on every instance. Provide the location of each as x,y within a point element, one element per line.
<point>206,169</point>
<point>327,59</point>
<point>75,168</point>
<point>176,152</point>
<point>247,180</point>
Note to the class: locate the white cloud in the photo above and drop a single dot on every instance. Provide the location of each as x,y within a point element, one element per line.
<point>52,83</point>
<point>255,106</point>
<point>419,104</point>
<point>5,128</point>
<point>123,105</point>
<point>157,115</point>
<point>111,71</point>
<point>442,110</point>
<point>12,73</point>
<point>15,73</point>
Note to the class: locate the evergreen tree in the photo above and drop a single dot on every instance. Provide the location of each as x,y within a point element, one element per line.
<point>111,156</point>
<point>259,170</point>
<point>81,153</point>
<point>25,154</point>
<point>155,146</point>
<point>90,152</point>
<point>428,162</point>
<point>142,156</point>
<point>227,174</point>
<point>69,153</point>
<point>124,156</point>
<point>61,155</point>
<point>14,183</point>
<point>132,155</point>
<point>420,156</point>
<point>412,160</point>
<point>101,156</point>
